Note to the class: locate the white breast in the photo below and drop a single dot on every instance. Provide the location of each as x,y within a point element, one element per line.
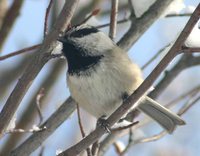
<point>101,92</point>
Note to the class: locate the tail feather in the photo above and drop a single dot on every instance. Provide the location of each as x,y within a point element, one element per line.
<point>167,119</point>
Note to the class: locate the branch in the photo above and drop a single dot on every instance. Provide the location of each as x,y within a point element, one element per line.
<point>80,121</point>
<point>7,76</point>
<point>155,56</point>
<point>179,15</point>
<point>3,10</point>
<point>158,136</point>
<point>38,105</point>
<point>189,50</point>
<point>140,25</point>
<point>28,115</point>
<point>186,61</point>
<point>129,103</point>
<point>124,127</point>
<point>81,128</point>
<point>108,24</point>
<point>35,140</point>
<point>29,49</point>
<point>144,140</point>
<point>183,96</point>
<point>110,139</point>
<point>188,105</point>
<point>113,19</point>
<point>46,17</point>
<point>84,11</point>
<point>36,64</point>
<point>9,20</point>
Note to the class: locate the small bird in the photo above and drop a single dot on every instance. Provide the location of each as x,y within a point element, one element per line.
<point>100,75</point>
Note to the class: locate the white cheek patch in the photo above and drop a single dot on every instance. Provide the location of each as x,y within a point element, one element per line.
<point>58,49</point>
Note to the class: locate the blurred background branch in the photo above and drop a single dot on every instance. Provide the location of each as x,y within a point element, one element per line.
<point>9,19</point>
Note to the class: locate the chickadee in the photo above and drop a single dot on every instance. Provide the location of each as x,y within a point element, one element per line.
<point>100,75</point>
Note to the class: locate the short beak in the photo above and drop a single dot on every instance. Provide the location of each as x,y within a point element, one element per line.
<point>61,39</point>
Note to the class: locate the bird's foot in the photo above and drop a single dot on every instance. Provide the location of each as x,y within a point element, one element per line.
<point>102,122</point>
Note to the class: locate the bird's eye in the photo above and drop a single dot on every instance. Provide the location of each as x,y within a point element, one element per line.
<point>84,32</point>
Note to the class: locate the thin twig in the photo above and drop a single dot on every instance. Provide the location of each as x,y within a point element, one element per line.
<point>79,121</point>
<point>38,102</point>
<point>81,128</point>
<point>124,127</point>
<point>148,139</point>
<point>140,25</point>
<point>179,15</point>
<point>188,105</point>
<point>108,24</point>
<point>131,8</point>
<point>41,151</point>
<point>110,139</point>
<point>85,10</point>
<point>32,130</point>
<point>95,148</point>
<point>183,96</point>
<point>189,50</point>
<point>46,17</point>
<point>129,103</point>
<point>156,137</point>
<point>155,56</point>
<point>94,13</point>
<point>186,61</point>
<point>113,19</point>
<point>29,49</point>
<point>56,119</point>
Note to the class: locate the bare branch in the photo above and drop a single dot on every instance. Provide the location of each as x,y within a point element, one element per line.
<point>95,148</point>
<point>155,56</point>
<point>94,13</point>
<point>181,111</point>
<point>179,15</point>
<point>113,19</point>
<point>38,102</point>
<point>81,128</point>
<point>9,20</point>
<point>140,25</point>
<point>186,61</point>
<point>84,11</point>
<point>36,64</point>
<point>131,8</point>
<point>183,96</point>
<point>28,115</point>
<point>188,105</point>
<point>108,24</point>
<point>148,139</point>
<point>79,121</point>
<point>29,49</point>
<point>189,50</point>
<point>124,127</point>
<point>35,140</point>
<point>46,17</point>
<point>32,130</point>
<point>127,104</point>
<point>112,137</point>
<point>3,10</point>
<point>158,136</point>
